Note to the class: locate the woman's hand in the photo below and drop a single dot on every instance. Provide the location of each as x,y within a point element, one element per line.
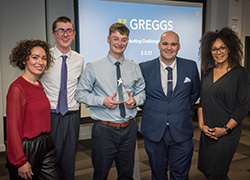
<point>210,132</point>
<point>25,171</point>
<point>219,132</point>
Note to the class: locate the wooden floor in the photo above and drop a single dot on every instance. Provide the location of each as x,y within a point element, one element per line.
<point>239,169</point>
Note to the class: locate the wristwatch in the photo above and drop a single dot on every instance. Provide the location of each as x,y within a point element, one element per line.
<point>228,130</point>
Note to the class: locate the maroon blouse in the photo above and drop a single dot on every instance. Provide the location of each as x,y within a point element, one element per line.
<point>28,115</point>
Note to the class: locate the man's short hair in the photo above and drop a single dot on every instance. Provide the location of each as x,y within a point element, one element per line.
<point>121,28</point>
<point>63,19</point>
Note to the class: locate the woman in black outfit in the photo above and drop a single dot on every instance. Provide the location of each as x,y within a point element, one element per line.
<point>224,101</point>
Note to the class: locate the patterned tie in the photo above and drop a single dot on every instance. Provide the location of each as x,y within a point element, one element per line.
<point>120,93</point>
<point>62,105</point>
<point>170,81</point>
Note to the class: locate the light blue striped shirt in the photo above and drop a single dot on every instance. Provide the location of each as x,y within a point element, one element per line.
<point>99,80</point>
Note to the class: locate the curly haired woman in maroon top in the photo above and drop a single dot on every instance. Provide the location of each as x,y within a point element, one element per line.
<point>30,152</point>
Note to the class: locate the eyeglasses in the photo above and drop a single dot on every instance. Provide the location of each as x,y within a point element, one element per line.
<point>222,49</point>
<point>61,32</point>
<point>116,40</point>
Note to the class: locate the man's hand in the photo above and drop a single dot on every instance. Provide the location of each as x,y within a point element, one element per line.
<point>110,103</point>
<point>25,171</point>
<point>131,102</point>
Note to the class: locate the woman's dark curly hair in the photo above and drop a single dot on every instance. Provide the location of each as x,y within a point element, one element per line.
<point>22,51</point>
<point>230,39</point>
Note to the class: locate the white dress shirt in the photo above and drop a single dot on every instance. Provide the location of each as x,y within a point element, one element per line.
<point>164,75</point>
<point>51,78</point>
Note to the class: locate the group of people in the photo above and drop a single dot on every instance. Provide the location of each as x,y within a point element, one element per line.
<point>43,106</point>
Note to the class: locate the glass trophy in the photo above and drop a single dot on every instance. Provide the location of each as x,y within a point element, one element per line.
<point>122,95</point>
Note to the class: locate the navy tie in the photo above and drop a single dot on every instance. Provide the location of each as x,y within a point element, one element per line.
<point>120,92</point>
<point>170,81</point>
<point>62,104</point>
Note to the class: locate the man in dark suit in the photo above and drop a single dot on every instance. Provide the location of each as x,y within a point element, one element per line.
<point>172,87</point>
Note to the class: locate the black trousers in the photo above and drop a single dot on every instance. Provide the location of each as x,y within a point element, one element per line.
<point>113,144</point>
<point>40,152</point>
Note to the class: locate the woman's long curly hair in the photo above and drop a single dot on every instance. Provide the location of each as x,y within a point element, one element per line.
<point>230,39</point>
<point>22,51</point>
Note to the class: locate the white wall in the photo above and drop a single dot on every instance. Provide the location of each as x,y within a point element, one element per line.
<point>216,14</point>
<point>2,148</point>
<point>246,18</point>
<point>56,8</point>
<point>18,21</point>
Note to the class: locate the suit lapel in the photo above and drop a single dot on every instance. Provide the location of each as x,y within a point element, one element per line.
<point>180,75</point>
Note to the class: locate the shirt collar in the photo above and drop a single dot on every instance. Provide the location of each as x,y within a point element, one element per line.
<point>113,60</point>
<point>58,54</point>
<point>163,66</point>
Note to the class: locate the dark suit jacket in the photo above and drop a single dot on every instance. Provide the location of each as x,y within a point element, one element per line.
<point>158,109</point>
